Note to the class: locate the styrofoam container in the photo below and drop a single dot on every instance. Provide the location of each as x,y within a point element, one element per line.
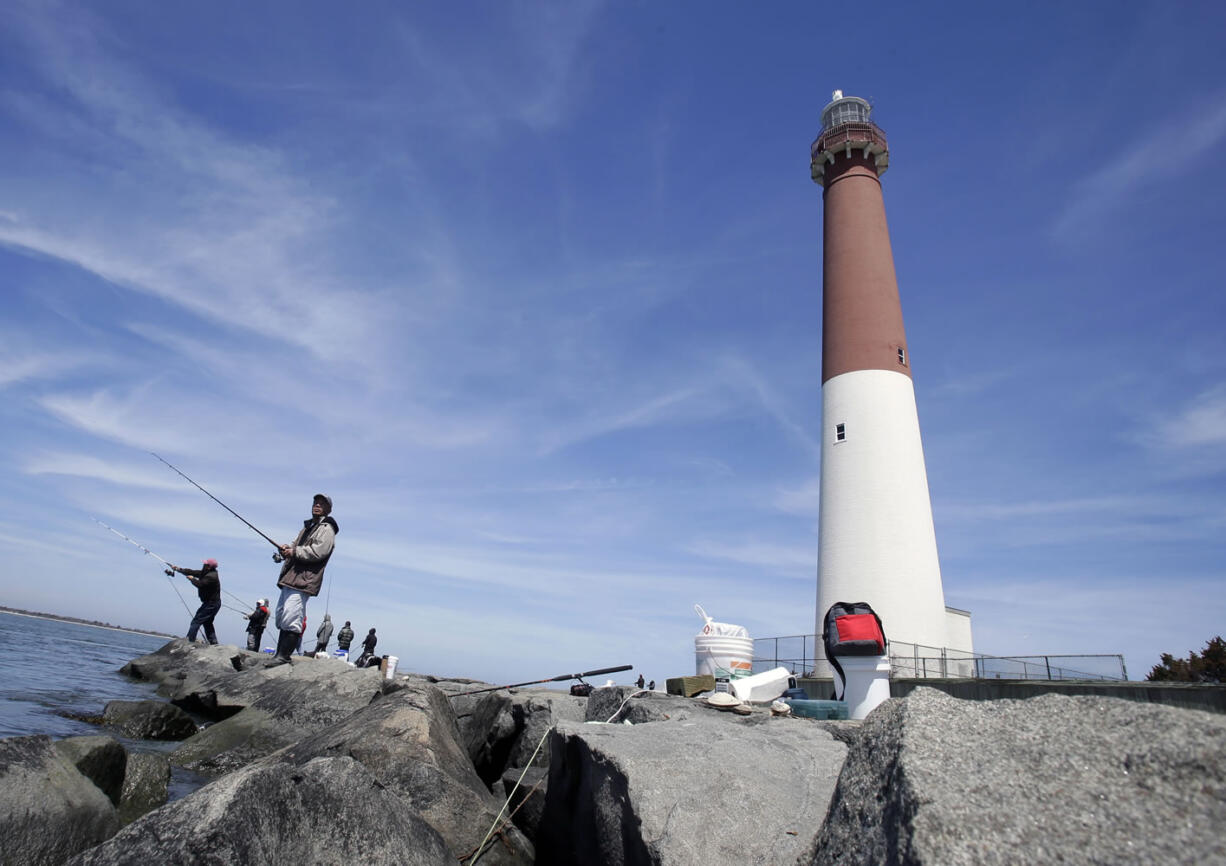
<point>389,668</point>
<point>763,687</point>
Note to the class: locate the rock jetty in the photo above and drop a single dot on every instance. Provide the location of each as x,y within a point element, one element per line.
<point>319,763</point>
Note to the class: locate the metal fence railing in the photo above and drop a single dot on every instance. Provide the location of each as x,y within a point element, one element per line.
<point>803,654</point>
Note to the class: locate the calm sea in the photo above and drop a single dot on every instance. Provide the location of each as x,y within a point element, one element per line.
<point>48,665</point>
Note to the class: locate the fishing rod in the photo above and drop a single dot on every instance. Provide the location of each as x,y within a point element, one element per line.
<point>557,679</point>
<point>169,570</point>
<point>226,507</point>
<point>155,556</point>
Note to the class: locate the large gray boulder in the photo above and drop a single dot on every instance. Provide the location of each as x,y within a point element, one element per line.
<point>218,681</point>
<point>502,729</point>
<point>259,710</point>
<point>630,704</point>
<point>146,784</point>
<point>1054,779</point>
<point>326,811</point>
<point>102,760</point>
<point>148,720</point>
<point>235,742</point>
<point>410,742</point>
<point>525,789</point>
<point>48,810</point>
<point>711,788</point>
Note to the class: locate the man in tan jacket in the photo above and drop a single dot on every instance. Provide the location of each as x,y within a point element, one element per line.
<point>303,574</point>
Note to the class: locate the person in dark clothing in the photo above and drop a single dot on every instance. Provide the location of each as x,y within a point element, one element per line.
<point>256,620</point>
<point>344,637</point>
<point>368,649</point>
<point>208,587</point>
<point>640,681</point>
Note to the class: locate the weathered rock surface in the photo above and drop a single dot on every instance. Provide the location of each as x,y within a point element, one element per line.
<point>933,780</point>
<point>234,743</point>
<point>526,789</point>
<point>502,729</point>
<point>146,783</point>
<point>218,681</point>
<point>710,788</point>
<point>410,742</point>
<point>260,710</point>
<point>326,811</point>
<point>148,720</point>
<point>102,760</point>
<point>48,810</point>
<point>615,704</point>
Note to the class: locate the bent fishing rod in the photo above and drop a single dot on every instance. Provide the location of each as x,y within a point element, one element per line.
<point>148,552</point>
<point>559,678</point>
<point>276,557</point>
<point>169,570</point>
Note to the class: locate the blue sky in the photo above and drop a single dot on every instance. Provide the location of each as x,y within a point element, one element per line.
<point>534,292</point>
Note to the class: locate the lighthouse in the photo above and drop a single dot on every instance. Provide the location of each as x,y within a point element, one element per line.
<point>876,541</point>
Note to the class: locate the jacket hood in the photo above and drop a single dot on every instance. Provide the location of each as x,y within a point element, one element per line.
<point>327,518</point>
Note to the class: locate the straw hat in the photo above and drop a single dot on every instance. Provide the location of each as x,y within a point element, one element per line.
<point>723,701</point>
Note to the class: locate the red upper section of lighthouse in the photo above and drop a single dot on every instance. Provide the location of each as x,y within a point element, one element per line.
<point>862,326</point>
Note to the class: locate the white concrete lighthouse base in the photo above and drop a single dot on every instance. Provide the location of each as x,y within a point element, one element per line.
<point>876,541</point>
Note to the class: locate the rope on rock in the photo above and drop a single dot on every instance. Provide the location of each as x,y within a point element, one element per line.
<point>498,819</point>
<point>499,822</point>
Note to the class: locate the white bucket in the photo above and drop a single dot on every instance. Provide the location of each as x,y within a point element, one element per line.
<point>389,670</point>
<point>867,683</point>
<point>723,657</point>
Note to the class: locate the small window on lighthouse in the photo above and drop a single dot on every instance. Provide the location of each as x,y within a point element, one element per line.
<point>902,356</point>
<point>840,432</point>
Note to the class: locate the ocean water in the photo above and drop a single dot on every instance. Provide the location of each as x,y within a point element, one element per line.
<point>48,665</point>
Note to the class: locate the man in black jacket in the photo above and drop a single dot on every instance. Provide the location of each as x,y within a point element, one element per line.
<point>208,587</point>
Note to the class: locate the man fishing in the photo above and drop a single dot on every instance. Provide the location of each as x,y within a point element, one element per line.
<point>323,636</point>
<point>302,575</point>
<point>208,587</point>
<point>256,620</point>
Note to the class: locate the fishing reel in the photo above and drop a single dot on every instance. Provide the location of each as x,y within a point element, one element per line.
<point>277,557</point>
<point>169,572</point>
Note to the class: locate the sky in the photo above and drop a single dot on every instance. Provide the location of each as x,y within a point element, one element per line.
<point>533,292</point>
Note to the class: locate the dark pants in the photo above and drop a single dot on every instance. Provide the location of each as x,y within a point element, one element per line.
<point>204,617</point>
<point>253,639</point>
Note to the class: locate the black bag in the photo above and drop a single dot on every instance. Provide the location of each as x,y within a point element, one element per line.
<point>851,629</point>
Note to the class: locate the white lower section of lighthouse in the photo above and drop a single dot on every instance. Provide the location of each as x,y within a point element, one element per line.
<point>876,541</point>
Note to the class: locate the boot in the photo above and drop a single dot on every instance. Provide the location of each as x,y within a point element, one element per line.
<point>286,641</point>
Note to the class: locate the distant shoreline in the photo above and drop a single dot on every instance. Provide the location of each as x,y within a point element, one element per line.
<point>39,615</point>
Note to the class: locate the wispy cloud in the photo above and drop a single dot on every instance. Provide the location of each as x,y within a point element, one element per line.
<point>1146,162</point>
<point>87,466</point>
<point>24,367</point>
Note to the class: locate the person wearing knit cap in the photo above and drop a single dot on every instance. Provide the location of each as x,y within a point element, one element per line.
<point>208,587</point>
<point>302,575</point>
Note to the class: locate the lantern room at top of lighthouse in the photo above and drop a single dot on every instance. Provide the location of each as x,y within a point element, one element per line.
<point>847,128</point>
